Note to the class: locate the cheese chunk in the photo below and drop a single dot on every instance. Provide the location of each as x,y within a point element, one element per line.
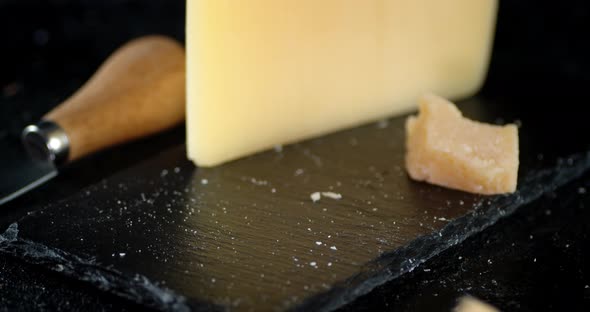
<point>267,72</point>
<point>470,304</point>
<point>447,149</point>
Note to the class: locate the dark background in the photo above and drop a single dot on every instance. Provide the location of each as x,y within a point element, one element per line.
<point>49,48</point>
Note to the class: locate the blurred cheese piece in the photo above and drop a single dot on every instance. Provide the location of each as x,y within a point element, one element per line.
<point>470,304</point>
<point>446,149</point>
<point>268,72</point>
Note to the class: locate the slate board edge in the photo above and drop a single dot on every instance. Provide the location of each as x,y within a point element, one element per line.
<point>405,259</point>
<point>138,289</point>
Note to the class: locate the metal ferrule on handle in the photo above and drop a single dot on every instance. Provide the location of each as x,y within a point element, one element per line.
<point>47,141</point>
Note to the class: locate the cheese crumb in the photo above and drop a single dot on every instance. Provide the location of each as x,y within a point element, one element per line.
<point>332,195</point>
<point>447,149</point>
<point>315,196</point>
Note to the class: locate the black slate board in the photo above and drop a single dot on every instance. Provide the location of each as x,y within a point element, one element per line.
<point>247,236</point>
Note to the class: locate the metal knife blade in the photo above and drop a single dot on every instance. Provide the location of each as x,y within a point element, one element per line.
<point>21,173</point>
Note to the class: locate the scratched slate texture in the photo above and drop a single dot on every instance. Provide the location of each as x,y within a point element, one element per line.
<point>247,236</point>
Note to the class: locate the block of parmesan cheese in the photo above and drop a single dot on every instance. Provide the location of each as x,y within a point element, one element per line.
<point>267,72</point>
<point>446,149</point>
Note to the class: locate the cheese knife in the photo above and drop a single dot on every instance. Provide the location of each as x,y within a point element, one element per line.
<point>138,91</point>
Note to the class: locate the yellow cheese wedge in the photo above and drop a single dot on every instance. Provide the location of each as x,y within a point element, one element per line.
<point>446,149</point>
<point>268,72</point>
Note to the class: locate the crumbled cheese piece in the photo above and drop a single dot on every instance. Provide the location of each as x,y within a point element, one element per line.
<point>332,195</point>
<point>315,196</point>
<point>446,149</point>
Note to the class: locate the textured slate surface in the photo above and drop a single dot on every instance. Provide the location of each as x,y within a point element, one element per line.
<point>246,235</point>
<point>536,260</point>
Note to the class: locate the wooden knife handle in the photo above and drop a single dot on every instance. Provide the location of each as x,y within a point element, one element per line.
<point>139,90</point>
